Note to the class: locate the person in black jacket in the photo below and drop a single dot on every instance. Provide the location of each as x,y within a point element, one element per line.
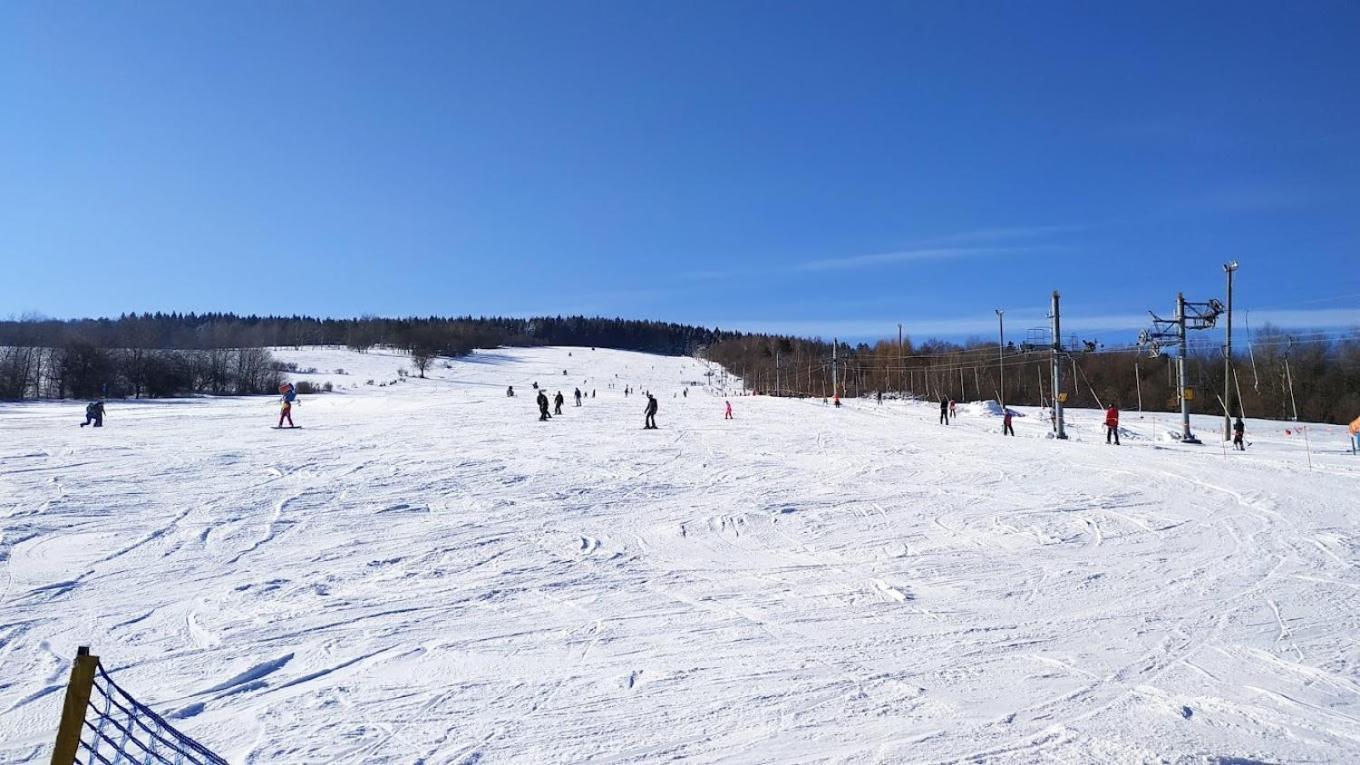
<point>1239,430</point>
<point>651,413</point>
<point>94,413</point>
<point>543,407</point>
<point>557,403</point>
<point>578,396</point>
<point>944,411</point>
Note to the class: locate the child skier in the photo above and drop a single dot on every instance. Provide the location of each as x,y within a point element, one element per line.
<point>1112,424</point>
<point>728,414</point>
<point>953,413</point>
<point>94,413</point>
<point>1239,430</point>
<point>286,404</point>
<point>1006,428</point>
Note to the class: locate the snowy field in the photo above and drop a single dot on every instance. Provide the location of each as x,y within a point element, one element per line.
<point>424,573</point>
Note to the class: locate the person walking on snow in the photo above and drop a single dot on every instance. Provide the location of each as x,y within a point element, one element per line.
<point>1112,424</point>
<point>1239,430</point>
<point>94,413</point>
<point>944,411</point>
<point>557,403</point>
<point>543,415</point>
<point>1006,428</point>
<point>650,411</point>
<point>728,414</point>
<point>578,396</point>
<point>953,413</point>
<point>286,407</point>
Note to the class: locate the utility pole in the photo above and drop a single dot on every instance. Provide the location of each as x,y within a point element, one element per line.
<point>1001,354</point>
<point>1058,430</point>
<point>900,361</point>
<point>1188,316</point>
<point>834,382</point>
<point>776,371</point>
<point>1230,268</point>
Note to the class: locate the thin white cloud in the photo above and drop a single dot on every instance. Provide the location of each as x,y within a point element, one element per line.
<point>1018,322</point>
<point>904,256</point>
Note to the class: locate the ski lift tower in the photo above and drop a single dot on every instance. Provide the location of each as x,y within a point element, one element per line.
<point>1188,316</point>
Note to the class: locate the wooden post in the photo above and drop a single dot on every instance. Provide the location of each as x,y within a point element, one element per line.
<point>73,710</point>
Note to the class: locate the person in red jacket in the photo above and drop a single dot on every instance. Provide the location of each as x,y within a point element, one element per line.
<point>1112,424</point>
<point>728,414</point>
<point>1006,428</point>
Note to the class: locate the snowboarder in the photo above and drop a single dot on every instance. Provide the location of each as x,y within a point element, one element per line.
<point>728,414</point>
<point>543,415</point>
<point>944,411</point>
<point>1112,424</point>
<point>578,396</point>
<point>510,391</point>
<point>94,413</point>
<point>286,404</point>
<point>1006,428</point>
<point>650,411</point>
<point>557,402</point>
<point>1239,430</point>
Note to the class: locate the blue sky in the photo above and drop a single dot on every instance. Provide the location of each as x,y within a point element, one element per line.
<point>818,168</point>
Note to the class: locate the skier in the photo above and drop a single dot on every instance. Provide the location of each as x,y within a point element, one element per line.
<point>728,414</point>
<point>685,392</point>
<point>543,415</point>
<point>578,396</point>
<point>953,413</point>
<point>944,411</point>
<point>557,403</point>
<point>650,411</point>
<point>1239,430</point>
<point>286,404</point>
<point>510,391</point>
<point>94,413</point>
<point>879,396</point>
<point>836,400</point>
<point>1006,428</point>
<point>1112,424</point>
<point>592,390</point>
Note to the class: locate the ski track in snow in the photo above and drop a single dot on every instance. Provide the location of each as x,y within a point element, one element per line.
<point>427,574</point>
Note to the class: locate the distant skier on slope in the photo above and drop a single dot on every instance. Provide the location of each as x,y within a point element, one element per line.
<point>650,411</point>
<point>557,403</point>
<point>944,411</point>
<point>1006,428</point>
<point>578,396</point>
<point>542,399</point>
<point>1112,424</point>
<point>728,414</point>
<point>94,413</point>
<point>510,391</point>
<point>286,404</point>
<point>953,412</point>
<point>1239,431</point>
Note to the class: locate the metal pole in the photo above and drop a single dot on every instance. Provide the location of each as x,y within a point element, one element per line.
<point>900,389</point>
<point>1290,378</point>
<point>1231,268</point>
<point>1186,435</point>
<point>1058,430</point>
<point>776,371</point>
<point>1138,383</point>
<point>1001,354</point>
<point>834,342</point>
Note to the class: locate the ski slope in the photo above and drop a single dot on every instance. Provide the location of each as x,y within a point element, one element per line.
<point>424,573</point>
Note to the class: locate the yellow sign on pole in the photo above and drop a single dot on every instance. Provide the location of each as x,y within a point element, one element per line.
<point>1189,394</point>
<point>1062,398</point>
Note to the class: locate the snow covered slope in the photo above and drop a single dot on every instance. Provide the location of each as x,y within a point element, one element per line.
<point>426,573</point>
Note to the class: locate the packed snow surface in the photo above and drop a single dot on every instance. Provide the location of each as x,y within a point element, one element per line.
<point>425,573</point>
